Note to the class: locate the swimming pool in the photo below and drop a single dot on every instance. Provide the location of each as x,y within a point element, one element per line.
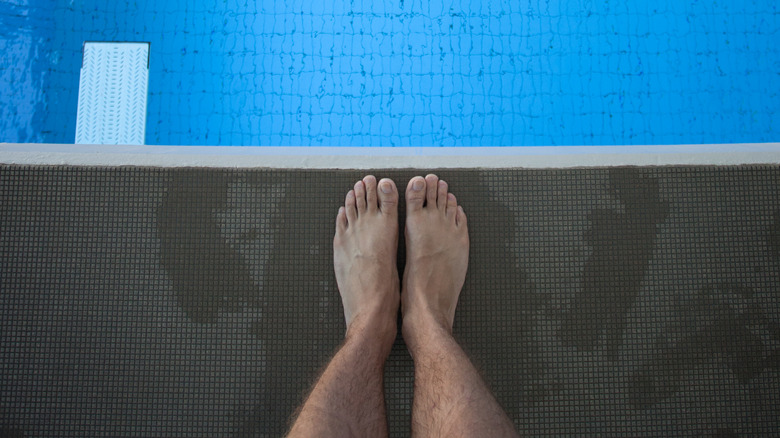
<point>408,72</point>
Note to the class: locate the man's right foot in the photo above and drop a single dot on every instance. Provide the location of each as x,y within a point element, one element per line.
<point>437,256</point>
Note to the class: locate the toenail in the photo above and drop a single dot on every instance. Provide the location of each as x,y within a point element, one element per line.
<point>417,185</point>
<point>385,187</point>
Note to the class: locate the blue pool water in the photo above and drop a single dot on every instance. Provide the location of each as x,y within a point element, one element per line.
<point>408,72</point>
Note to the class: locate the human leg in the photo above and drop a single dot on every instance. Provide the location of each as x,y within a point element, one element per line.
<point>348,399</point>
<point>450,398</point>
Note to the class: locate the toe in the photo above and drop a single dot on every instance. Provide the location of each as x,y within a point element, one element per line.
<point>360,197</point>
<point>432,188</point>
<point>351,207</point>
<point>441,197</point>
<point>388,196</point>
<point>371,200</point>
<point>415,194</point>
<point>341,221</point>
<point>452,206</point>
<point>460,218</point>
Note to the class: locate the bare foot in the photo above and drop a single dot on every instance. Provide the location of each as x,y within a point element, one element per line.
<point>437,255</point>
<point>364,256</point>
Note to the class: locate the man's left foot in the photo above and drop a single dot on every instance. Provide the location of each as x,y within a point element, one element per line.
<point>364,257</point>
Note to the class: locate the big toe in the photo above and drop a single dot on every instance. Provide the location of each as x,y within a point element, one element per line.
<point>388,196</point>
<point>415,194</point>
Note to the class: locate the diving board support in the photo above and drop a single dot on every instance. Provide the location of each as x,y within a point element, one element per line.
<point>113,90</point>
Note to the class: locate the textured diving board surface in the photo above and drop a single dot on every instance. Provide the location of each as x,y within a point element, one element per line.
<point>177,302</point>
<point>112,93</point>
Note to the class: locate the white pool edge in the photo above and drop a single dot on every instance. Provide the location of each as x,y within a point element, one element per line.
<point>381,158</point>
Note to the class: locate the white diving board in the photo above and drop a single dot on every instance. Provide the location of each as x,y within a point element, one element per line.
<point>113,90</point>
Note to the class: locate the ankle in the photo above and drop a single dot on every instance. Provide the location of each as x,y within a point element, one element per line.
<point>374,331</point>
<point>420,328</point>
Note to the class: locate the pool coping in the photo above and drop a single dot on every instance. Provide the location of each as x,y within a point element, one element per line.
<point>395,158</point>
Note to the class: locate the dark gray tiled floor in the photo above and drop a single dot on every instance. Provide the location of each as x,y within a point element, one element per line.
<point>173,302</point>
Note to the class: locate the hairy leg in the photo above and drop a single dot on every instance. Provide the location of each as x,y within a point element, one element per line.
<point>450,398</point>
<point>348,399</point>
